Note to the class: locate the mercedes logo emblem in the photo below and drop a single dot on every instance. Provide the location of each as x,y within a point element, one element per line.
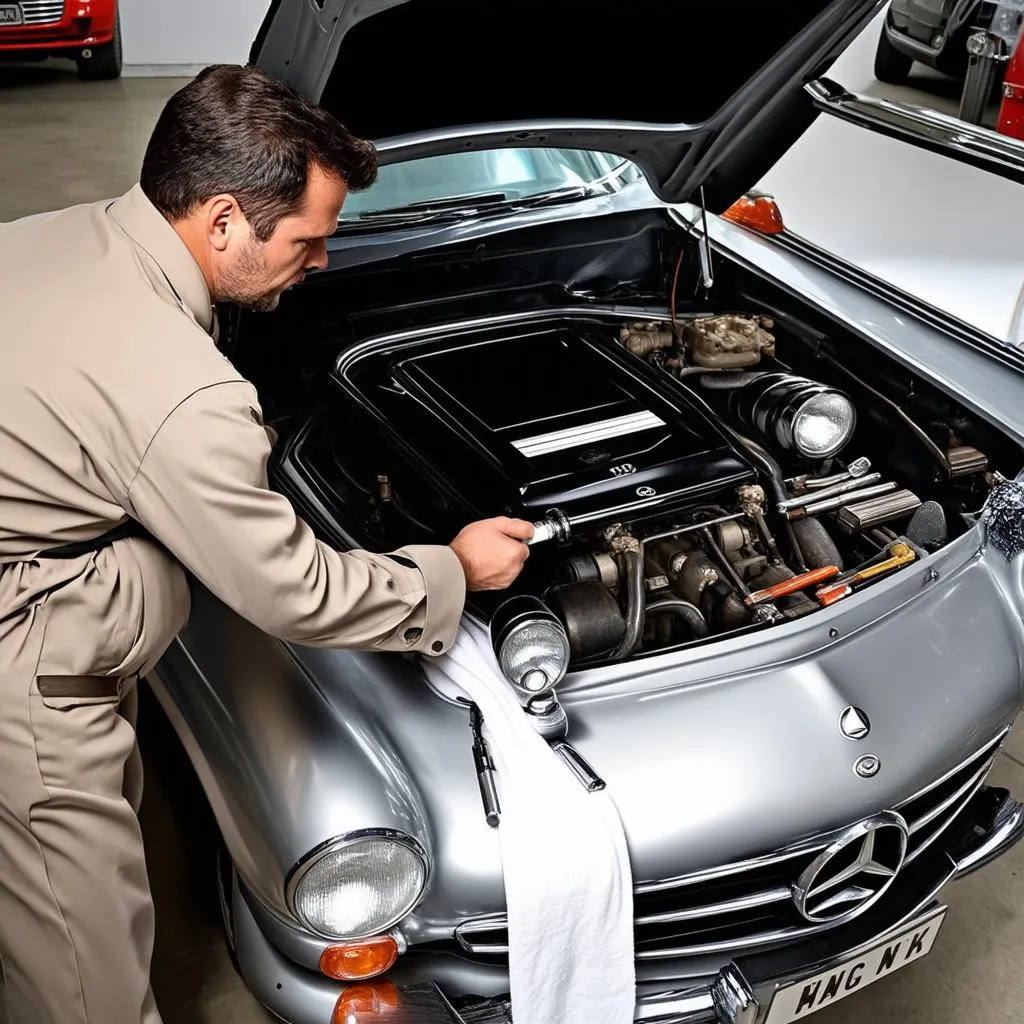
<point>855,871</point>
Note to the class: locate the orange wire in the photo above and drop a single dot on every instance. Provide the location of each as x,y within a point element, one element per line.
<point>675,282</point>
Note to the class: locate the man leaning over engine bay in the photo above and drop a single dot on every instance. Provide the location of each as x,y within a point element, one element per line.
<point>131,448</point>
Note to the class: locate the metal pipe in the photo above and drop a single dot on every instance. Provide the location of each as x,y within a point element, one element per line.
<point>725,565</point>
<point>828,492</point>
<point>857,468</point>
<point>577,764</point>
<point>664,534</point>
<point>843,499</point>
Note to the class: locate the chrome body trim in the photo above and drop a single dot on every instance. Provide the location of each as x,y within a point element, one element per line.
<point>816,848</point>
<point>589,433</point>
<point>930,129</point>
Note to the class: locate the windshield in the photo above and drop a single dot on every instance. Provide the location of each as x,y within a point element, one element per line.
<point>497,175</point>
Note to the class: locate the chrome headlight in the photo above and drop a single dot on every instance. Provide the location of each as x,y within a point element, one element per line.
<point>799,415</point>
<point>358,885</point>
<point>530,644</point>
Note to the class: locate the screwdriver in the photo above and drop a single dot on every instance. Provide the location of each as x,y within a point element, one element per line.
<point>900,554</point>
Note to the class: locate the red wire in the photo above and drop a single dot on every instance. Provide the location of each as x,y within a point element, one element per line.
<point>675,282</point>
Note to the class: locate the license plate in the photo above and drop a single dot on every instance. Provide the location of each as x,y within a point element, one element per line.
<point>10,14</point>
<point>796,1001</point>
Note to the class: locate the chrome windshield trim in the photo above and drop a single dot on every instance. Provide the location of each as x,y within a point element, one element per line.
<point>927,129</point>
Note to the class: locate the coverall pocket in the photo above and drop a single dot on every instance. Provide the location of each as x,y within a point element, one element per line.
<point>63,693</point>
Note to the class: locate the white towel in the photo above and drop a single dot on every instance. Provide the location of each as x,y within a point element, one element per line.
<point>568,883</point>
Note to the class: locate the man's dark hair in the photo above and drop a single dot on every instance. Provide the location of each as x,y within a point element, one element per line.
<point>237,130</point>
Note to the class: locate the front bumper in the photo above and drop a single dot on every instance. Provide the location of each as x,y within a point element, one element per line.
<point>83,25</point>
<point>420,989</point>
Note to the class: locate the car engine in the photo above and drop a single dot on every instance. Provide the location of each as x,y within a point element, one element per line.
<point>685,480</point>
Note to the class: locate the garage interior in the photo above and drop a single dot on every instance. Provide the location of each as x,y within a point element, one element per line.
<point>64,142</point>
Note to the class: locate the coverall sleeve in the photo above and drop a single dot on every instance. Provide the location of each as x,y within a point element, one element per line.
<point>202,491</point>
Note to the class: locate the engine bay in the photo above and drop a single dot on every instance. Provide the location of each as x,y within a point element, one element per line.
<point>688,478</point>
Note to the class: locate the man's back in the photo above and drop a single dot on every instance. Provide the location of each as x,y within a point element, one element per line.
<point>97,348</point>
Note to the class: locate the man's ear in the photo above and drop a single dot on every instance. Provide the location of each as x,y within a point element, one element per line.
<point>222,216</point>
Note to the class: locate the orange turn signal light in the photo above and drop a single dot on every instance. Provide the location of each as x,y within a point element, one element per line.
<point>363,1004</point>
<point>356,961</point>
<point>759,213</point>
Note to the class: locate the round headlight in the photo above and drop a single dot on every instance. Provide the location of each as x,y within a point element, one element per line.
<point>530,643</point>
<point>358,886</point>
<point>823,425</point>
<point>795,413</point>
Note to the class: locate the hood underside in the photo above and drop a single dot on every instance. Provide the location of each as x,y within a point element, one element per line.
<point>698,93</point>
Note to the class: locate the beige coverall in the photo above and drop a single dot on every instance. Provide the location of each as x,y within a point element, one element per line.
<point>114,399</point>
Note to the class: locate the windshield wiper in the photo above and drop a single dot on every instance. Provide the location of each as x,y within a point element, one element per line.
<point>457,208</point>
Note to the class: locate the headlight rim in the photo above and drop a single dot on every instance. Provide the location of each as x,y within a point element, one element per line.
<point>841,442</point>
<point>525,623</point>
<point>304,864</point>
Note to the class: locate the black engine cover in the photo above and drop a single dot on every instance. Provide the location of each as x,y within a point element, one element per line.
<point>521,420</point>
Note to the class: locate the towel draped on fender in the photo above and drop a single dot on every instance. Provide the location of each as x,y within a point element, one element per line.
<point>568,882</point>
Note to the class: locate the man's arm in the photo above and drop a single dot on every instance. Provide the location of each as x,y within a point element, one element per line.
<point>202,491</point>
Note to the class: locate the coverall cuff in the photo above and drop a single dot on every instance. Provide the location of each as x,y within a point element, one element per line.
<point>445,585</point>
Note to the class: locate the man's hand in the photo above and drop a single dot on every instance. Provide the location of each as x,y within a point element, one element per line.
<point>492,551</point>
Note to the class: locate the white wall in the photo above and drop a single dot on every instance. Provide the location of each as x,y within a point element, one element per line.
<point>182,36</point>
<point>934,227</point>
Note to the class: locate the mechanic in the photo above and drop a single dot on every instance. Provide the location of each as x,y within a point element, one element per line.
<point>130,447</point>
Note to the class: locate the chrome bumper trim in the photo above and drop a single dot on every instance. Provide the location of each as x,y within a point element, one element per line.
<point>1007,829</point>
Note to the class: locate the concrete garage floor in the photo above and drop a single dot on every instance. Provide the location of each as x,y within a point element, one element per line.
<point>63,141</point>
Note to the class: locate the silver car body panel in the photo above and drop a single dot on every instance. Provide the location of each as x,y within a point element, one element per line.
<point>295,746</point>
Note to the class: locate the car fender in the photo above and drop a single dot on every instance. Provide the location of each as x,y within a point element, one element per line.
<point>249,713</point>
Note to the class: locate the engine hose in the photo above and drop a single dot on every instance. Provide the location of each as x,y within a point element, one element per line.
<point>768,464</point>
<point>631,567</point>
<point>689,613</point>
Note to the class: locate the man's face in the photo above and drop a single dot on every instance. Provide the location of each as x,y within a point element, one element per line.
<point>254,274</point>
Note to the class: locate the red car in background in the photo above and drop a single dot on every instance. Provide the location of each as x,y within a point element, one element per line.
<point>85,31</point>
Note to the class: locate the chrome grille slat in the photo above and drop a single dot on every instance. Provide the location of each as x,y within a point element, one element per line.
<point>968,786</point>
<point>41,12</point>
<point>763,915</point>
<point>758,899</point>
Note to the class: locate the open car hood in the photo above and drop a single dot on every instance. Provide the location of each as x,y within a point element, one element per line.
<point>698,93</point>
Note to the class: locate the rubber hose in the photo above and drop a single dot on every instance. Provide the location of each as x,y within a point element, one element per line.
<point>631,567</point>
<point>771,468</point>
<point>689,613</point>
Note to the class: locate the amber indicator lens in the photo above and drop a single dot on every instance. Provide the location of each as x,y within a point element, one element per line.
<point>355,961</point>
<point>364,1004</point>
<point>759,213</point>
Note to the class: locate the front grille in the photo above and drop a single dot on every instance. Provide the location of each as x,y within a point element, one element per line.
<point>749,904</point>
<point>41,12</point>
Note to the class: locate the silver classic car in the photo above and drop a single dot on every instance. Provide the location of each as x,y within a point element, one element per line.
<point>774,600</point>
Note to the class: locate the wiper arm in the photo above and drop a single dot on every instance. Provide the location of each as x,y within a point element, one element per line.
<point>570,194</point>
<point>432,207</point>
<point>460,208</point>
